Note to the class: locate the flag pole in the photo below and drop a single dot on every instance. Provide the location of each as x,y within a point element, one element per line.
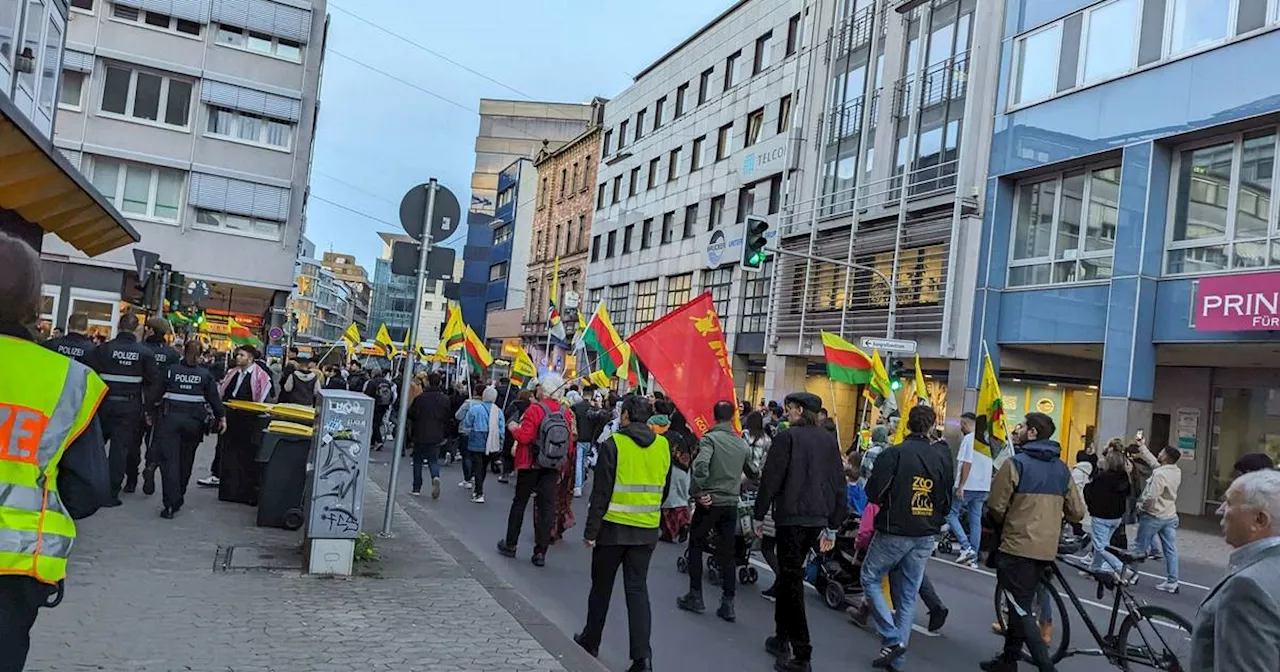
<point>831,386</point>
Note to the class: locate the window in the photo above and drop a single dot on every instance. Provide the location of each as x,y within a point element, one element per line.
<point>573,187</point>
<point>704,85</point>
<point>610,244</point>
<point>763,53</point>
<point>622,134</point>
<point>502,233</point>
<point>617,188</point>
<point>716,217</point>
<point>695,153</point>
<point>564,180</point>
<point>71,91</point>
<point>673,164</point>
<point>746,203</point>
<point>86,5</point>
<point>618,295</point>
<point>582,232</point>
<point>627,235</point>
<point>1036,57</point>
<point>102,309</point>
<point>1196,23</point>
<point>145,95</point>
<point>31,40</point>
<point>775,195</point>
<point>600,197</point>
<point>723,141</point>
<point>568,236</point>
<point>262,43</point>
<point>554,243</point>
<point>679,290</point>
<point>646,234</point>
<point>755,300</point>
<point>659,110</point>
<point>653,173</point>
<point>539,252</point>
<point>251,128</point>
<point>498,271</point>
<point>690,217</point>
<point>784,114</point>
<point>542,194</point>
<point>668,223</point>
<point>50,65</point>
<point>9,11</point>
<point>718,282</point>
<point>608,140</point>
<point>646,303</point>
<point>793,34</point>
<point>731,65</point>
<point>139,190</point>
<point>634,186</point>
<point>640,123</point>
<point>1222,206</point>
<point>595,248</point>
<point>238,224</point>
<point>682,93</point>
<point>1111,45</point>
<point>154,19</point>
<point>755,126</point>
<point>1065,227</point>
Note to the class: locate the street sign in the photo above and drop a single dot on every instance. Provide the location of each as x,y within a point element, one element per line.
<point>445,218</point>
<point>275,351</point>
<point>146,262</point>
<point>440,260</point>
<point>889,345</point>
<point>275,333</point>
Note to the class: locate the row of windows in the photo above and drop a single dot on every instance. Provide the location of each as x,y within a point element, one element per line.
<point>1114,38</point>
<point>754,132</point>
<point>166,100</point>
<point>41,33</point>
<point>731,76</point>
<point>230,36</point>
<point>679,291</point>
<point>559,244</point>
<point>1222,216</point>
<point>569,184</point>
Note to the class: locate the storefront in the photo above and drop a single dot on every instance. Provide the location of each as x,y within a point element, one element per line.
<point>1073,407</point>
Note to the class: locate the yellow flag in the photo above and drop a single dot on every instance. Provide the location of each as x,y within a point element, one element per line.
<point>384,339</point>
<point>352,335</point>
<point>625,354</point>
<point>990,435</point>
<point>922,392</point>
<point>600,380</point>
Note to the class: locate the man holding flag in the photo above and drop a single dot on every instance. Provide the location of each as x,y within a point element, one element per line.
<point>973,485</point>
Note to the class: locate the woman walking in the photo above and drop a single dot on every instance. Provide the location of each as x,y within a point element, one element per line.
<point>484,428</point>
<point>565,488</point>
<point>1106,496</point>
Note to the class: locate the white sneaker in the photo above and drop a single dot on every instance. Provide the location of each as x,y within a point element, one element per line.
<point>967,556</point>
<point>477,499</point>
<point>465,484</point>
<point>209,482</point>
<point>1168,586</point>
<point>577,492</point>
<point>1088,559</point>
<point>1129,576</point>
<point>416,493</point>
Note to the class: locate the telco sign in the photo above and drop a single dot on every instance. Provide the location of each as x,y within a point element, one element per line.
<point>1238,303</point>
<point>765,158</point>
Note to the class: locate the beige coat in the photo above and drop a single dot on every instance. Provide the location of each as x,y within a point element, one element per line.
<point>1160,497</point>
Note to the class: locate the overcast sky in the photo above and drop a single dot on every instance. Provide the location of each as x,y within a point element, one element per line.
<point>378,136</point>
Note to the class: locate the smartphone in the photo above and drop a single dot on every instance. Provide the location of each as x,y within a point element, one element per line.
<point>1139,435</point>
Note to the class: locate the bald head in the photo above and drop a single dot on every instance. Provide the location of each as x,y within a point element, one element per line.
<point>20,283</point>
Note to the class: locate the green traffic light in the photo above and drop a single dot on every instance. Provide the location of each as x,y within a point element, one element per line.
<point>895,384</point>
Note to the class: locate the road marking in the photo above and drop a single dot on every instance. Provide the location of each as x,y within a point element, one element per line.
<point>1157,576</point>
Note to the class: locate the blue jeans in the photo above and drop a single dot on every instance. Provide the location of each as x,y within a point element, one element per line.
<point>903,560</point>
<point>430,455</point>
<point>580,470</point>
<point>1149,527</point>
<point>971,504</point>
<point>1102,529</point>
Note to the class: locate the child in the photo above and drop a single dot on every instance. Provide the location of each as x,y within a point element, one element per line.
<point>675,511</point>
<point>857,496</point>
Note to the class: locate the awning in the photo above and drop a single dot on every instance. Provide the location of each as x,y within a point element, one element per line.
<point>38,183</point>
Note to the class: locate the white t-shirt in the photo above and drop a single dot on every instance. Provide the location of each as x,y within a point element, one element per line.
<point>980,471</point>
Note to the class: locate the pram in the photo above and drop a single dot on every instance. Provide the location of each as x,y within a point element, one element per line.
<point>838,573</point>
<point>743,540</point>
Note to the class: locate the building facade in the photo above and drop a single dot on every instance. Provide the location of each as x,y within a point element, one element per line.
<point>394,296</point>
<point>505,271</point>
<point>513,129</point>
<point>1130,229</point>
<point>344,267</point>
<point>321,306</point>
<point>564,208</point>
<point>196,120</point>
<point>702,138</point>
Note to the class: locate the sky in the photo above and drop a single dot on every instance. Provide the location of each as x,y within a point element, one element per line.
<point>393,115</point>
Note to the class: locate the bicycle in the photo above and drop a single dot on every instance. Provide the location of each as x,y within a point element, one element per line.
<point>1154,647</point>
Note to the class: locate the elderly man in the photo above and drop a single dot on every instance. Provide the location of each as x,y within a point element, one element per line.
<point>1238,626</point>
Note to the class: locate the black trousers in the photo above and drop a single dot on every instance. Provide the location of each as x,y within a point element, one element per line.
<point>122,425</point>
<point>790,624</point>
<point>724,521</point>
<point>20,600</point>
<point>542,484</point>
<point>177,438</point>
<point>1020,577</point>
<point>379,412</point>
<point>634,561</point>
<point>479,469</point>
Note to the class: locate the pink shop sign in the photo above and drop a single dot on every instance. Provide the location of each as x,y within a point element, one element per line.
<point>1238,303</point>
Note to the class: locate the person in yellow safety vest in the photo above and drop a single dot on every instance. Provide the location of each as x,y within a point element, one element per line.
<point>631,480</point>
<point>47,427</point>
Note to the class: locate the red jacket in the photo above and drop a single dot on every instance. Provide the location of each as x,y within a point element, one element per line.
<point>528,431</point>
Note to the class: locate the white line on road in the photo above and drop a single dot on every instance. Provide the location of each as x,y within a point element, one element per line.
<point>1157,576</point>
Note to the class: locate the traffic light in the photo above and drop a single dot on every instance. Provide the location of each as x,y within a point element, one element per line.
<point>152,292</point>
<point>896,370</point>
<point>753,242</point>
<point>174,292</point>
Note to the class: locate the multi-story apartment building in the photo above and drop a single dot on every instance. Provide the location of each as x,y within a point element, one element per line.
<point>322,304</point>
<point>897,134</point>
<point>344,267</point>
<point>195,119</point>
<point>393,299</point>
<point>1129,267</point>
<point>562,230</point>
<point>508,255</point>
<point>702,138</point>
<point>41,192</point>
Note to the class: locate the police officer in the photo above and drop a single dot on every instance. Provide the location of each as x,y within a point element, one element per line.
<point>129,368</point>
<point>181,425</point>
<point>75,344</point>
<point>157,328</point>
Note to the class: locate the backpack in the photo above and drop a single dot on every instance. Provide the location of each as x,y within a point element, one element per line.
<point>551,446</point>
<point>382,393</point>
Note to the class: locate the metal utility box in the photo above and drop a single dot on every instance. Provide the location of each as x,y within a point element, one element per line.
<point>336,471</point>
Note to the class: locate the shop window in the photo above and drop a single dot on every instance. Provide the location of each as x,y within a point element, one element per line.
<point>1064,227</point>
<point>1246,420</point>
<point>1222,215</point>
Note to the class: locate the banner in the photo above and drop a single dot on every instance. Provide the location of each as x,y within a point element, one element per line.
<point>685,351</point>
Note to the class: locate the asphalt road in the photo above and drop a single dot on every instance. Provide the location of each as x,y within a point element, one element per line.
<point>684,641</point>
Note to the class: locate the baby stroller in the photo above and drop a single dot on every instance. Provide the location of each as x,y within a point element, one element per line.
<point>742,543</point>
<point>838,574</point>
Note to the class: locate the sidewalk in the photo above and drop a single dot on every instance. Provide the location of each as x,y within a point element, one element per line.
<point>145,595</point>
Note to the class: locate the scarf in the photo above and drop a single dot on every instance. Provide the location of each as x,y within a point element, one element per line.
<point>493,441</point>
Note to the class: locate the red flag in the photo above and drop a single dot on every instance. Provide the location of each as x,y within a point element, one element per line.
<point>686,353</point>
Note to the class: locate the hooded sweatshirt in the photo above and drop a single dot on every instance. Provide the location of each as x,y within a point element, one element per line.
<point>1031,494</point>
<point>606,533</point>
<point>300,387</point>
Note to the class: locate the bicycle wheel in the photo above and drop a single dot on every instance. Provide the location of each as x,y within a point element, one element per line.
<point>1059,622</point>
<point>1155,637</point>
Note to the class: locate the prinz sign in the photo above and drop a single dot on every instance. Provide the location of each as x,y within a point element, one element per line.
<point>1248,302</point>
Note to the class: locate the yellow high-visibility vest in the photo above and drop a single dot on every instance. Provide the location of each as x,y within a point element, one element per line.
<point>46,402</point>
<point>637,487</point>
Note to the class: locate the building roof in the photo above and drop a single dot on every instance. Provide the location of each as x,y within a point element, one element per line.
<point>698,33</point>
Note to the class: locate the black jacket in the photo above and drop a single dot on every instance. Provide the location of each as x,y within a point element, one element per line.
<point>73,345</point>
<point>912,483</point>
<point>128,367</point>
<point>588,421</point>
<point>166,355</point>
<point>803,480</point>
<point>1106,494</point>
<point>191,381</point>
<point>429,418</point>
<point>602,531</point>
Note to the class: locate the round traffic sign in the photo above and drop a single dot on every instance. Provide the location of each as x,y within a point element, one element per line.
<point>275,333</point>
<point>445,218</point>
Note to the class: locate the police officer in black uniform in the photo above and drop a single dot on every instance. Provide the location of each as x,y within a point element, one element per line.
<point>156,329</point>
<point>75,344</point>
<point>129,369</point>
<point>188,388</point>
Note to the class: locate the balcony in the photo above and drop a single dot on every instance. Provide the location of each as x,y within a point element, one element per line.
<point>945,82</point>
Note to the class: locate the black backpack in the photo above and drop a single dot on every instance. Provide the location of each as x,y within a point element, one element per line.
<point>551,446</point>
<point>382,393</point>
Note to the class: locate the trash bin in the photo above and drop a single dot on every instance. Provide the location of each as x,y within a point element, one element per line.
<point>283,459</point>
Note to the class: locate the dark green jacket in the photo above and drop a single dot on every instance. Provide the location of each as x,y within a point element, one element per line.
<point>723,457</point>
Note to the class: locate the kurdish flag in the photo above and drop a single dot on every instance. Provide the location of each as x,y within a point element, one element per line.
<point>454,331</point>
<point>604,339</point>
<point>879,385</point>
<point>477,354</point>
<point>990,434</point>
<point>845,362</point>
<point>240,334</point>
